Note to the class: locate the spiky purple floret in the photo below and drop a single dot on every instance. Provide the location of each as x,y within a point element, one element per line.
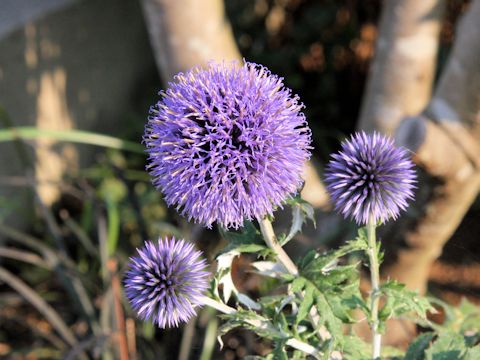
<point>370,176</point>
<point>166,281</point>
<point>227,143</point>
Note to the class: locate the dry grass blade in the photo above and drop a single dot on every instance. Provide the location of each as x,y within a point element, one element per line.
<point>25,256</point>
<point>64,267</point>
<point>18,316</point>
<point>84,345</point>
<point>45,309</point>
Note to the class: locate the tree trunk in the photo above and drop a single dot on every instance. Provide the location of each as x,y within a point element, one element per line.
<point>446,142</point>
<point>403,69</point>
<point>185,33</point>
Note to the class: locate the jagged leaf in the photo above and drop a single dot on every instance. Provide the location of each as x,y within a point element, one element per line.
<point>247,301</point>
<point>301,212</point>
<point>400,300</point>
<point>305,305</point>
<point>270,269</point>
<point>416,350</point>
<point>250,320</point>
<point>472,353</point>
<point>247,240</point>
<point>448,346</point>
<point>356,349</point>
<point>224,274</point>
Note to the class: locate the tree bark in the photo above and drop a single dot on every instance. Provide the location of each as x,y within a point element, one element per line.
<point>445,137</point>
<point>403,69</point>
<point>185,33</point>
<point>447,145</point>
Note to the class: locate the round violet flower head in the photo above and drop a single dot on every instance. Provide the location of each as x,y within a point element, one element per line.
<point>227,143</point>
<point>166,281</point>
<point>370,177</point>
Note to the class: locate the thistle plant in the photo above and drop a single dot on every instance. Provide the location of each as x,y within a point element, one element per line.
<point>227,145</point>
<point>166,282</point>
<point>371,180</point>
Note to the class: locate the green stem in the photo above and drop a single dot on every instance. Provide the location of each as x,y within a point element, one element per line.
<point>113,217</point>
<point>210,338</point>
<point>272,242</point>
<point>375,281</point>
<point>270,239</point>
<point>264,325</point>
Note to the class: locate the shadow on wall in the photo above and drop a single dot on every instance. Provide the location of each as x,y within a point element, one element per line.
<point>78,67</point>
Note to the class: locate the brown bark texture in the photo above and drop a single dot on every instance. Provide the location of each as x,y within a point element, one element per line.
<point>446,143</point>
<point>443,132</point>
<point>185,33</point>
<point>401,75</point>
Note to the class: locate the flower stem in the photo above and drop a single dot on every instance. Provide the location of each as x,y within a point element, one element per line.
<point>257,323</point>
<point>268,234</point>
<point>272,242</point>
<point>375,281</point>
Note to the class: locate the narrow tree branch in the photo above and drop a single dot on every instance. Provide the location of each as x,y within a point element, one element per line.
<point>45,309</point>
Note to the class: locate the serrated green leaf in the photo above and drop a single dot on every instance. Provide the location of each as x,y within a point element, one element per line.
<point>391,352</point>
<point>281,322</point>
<point>469,315</point>
<point>341,308</point>
<point>279,351</point>
<point>298,284</point>
<point>269,268</point>
<point>472,353</point>
<point>301,212</point>
<point>250,248</point>
<point>332,323</point>
<point>247,240</point>
<point>416,350</point>
<point>244,318</point>
<point>461,319</point>
<point>305,305</point>
<point>356,349</point>
<point>448,346</point>
<point>400,300</point>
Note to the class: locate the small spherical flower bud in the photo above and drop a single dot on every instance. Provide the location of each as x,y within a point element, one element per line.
<point>370,178</point>
<point>227,143</point>
<point>166,281</point>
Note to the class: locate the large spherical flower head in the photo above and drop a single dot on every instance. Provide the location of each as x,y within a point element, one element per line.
<point>370,177</point>
<point>227,143</point>
<point>166,281</point>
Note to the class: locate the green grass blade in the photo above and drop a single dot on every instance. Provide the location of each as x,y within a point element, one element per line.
<point>75,136</point>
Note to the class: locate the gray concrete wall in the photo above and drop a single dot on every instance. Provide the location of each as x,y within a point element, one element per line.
<point>78,67</point>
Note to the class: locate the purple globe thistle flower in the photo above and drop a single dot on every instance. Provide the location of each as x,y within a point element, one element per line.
<point>166,281</point>
<point>227,143</point>
<point>370,177</point>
